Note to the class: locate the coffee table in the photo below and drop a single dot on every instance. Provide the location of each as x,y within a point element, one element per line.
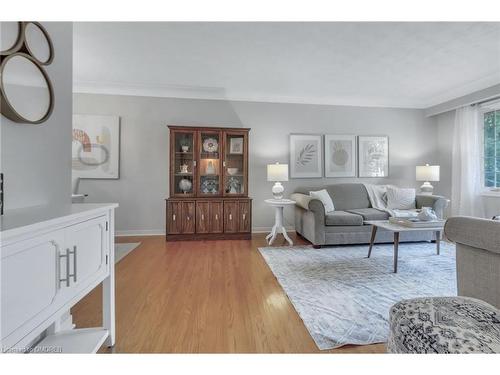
<point>397,229</point>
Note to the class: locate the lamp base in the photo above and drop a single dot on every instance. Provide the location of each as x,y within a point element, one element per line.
<point>426,188</point>
<point>278,190</point>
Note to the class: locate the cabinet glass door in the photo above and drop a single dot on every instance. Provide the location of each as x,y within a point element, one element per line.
<point>235,171</point>
<point>183,163</point>
<point>209,169</point>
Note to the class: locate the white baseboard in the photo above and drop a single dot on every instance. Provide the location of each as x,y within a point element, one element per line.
<point>268,229</point>
<point>160,232</point>
<point>145,232</point>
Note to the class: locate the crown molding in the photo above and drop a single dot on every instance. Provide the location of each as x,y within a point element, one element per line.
<point>216,93</point>
<point>463,90</point>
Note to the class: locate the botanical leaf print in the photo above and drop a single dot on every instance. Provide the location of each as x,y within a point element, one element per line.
<point>306,155</point>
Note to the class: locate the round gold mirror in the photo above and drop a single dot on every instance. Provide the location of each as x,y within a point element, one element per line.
<point>26,93</point>
<point>37,43</point>
<point>10,37</point>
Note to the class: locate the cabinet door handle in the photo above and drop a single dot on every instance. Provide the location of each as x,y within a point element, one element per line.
<point>189,218</point>
<point>72,252</point>
<point>230,217</point>
<point>244,215</point>
<point>216,217</point>
<point>224,163</point>
<point>173,217</point>
<point>202,217</point>
<point>66,279</point>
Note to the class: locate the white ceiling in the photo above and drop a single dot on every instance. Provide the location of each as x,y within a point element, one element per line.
<point>373,64</point>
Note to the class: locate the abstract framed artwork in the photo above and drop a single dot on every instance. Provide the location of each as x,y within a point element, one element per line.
<point>96,146</point>
<point>340,155</point>
<point>373,156</point>
<point>306,155</point>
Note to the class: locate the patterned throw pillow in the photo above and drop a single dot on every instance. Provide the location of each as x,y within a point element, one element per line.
<point>325,198</point>
<point>400,199</point>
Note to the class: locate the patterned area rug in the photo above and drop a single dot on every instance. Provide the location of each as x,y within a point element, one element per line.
<point>344,297</point>
<point>124,249</point>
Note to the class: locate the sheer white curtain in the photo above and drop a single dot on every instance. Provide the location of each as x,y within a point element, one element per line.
<point>466,184</point>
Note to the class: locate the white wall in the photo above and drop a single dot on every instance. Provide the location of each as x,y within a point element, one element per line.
<point>36,159</point>
<point>143,183</point>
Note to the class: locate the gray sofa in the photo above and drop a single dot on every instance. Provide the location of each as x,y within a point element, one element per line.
<point>352,208</point>
<point>478,257</point>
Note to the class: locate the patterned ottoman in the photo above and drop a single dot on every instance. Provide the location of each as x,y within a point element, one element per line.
<point>444,325</point>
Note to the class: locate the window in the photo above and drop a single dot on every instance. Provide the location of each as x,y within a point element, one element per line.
<point>492,148</point>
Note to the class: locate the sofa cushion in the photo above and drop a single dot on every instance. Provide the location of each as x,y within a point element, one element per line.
<point>344,196</point>
<point>325,198</point>
<point>342,218</point>
<point>370,213</point>
<point>400,199</point>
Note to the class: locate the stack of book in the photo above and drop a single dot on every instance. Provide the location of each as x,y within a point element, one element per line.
<point>416,223</point>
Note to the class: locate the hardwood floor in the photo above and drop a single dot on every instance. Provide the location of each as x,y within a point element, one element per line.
<point>201,297</point>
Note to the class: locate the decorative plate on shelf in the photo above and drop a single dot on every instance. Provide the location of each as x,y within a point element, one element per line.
<point>210,145</point>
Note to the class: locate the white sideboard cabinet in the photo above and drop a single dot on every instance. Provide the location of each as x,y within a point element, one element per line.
<point>49,261</point>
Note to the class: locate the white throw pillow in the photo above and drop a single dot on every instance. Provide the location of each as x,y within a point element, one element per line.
<point>400,199</point>
<point>325,198</point>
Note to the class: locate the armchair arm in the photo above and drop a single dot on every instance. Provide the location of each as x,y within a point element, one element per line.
<point>474,232</point>
<point>437,202</point>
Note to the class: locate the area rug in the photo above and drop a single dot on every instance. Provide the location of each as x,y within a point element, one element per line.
<point>123,249</point>
<point>344,297</point>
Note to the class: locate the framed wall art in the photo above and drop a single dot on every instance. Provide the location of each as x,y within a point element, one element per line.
<point>373,156</point>
<point>340,155</point>
<point>236,145</point>
<point>306,155</point>
<point>96,146</point>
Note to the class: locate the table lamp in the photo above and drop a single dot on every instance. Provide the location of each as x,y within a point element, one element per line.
<point>277,173</point>
<point>427,173</point>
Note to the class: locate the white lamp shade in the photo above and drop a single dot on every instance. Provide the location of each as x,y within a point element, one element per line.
<point>427,172</point>
<point>277,172</point>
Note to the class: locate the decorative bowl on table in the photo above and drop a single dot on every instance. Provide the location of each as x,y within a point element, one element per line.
<point>232,171</point>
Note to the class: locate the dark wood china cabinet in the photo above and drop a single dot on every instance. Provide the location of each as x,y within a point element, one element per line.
<point>208,184</point>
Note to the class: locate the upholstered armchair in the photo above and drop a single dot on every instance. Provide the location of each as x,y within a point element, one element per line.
<point>478,257</point>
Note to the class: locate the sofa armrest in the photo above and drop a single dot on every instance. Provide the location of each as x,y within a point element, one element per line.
<point>436,202</point>
<point>311,204</point>
<point>474,232</point>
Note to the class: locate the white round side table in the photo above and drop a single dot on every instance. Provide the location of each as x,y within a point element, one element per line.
<point>278,227</point>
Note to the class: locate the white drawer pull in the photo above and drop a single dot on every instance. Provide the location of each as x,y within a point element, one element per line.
<point>244,215</point>
<point>202,217</point>
<point>173,217</point>
<point>216,217</point>
<point>230,217</point>
<point>189,218</point>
